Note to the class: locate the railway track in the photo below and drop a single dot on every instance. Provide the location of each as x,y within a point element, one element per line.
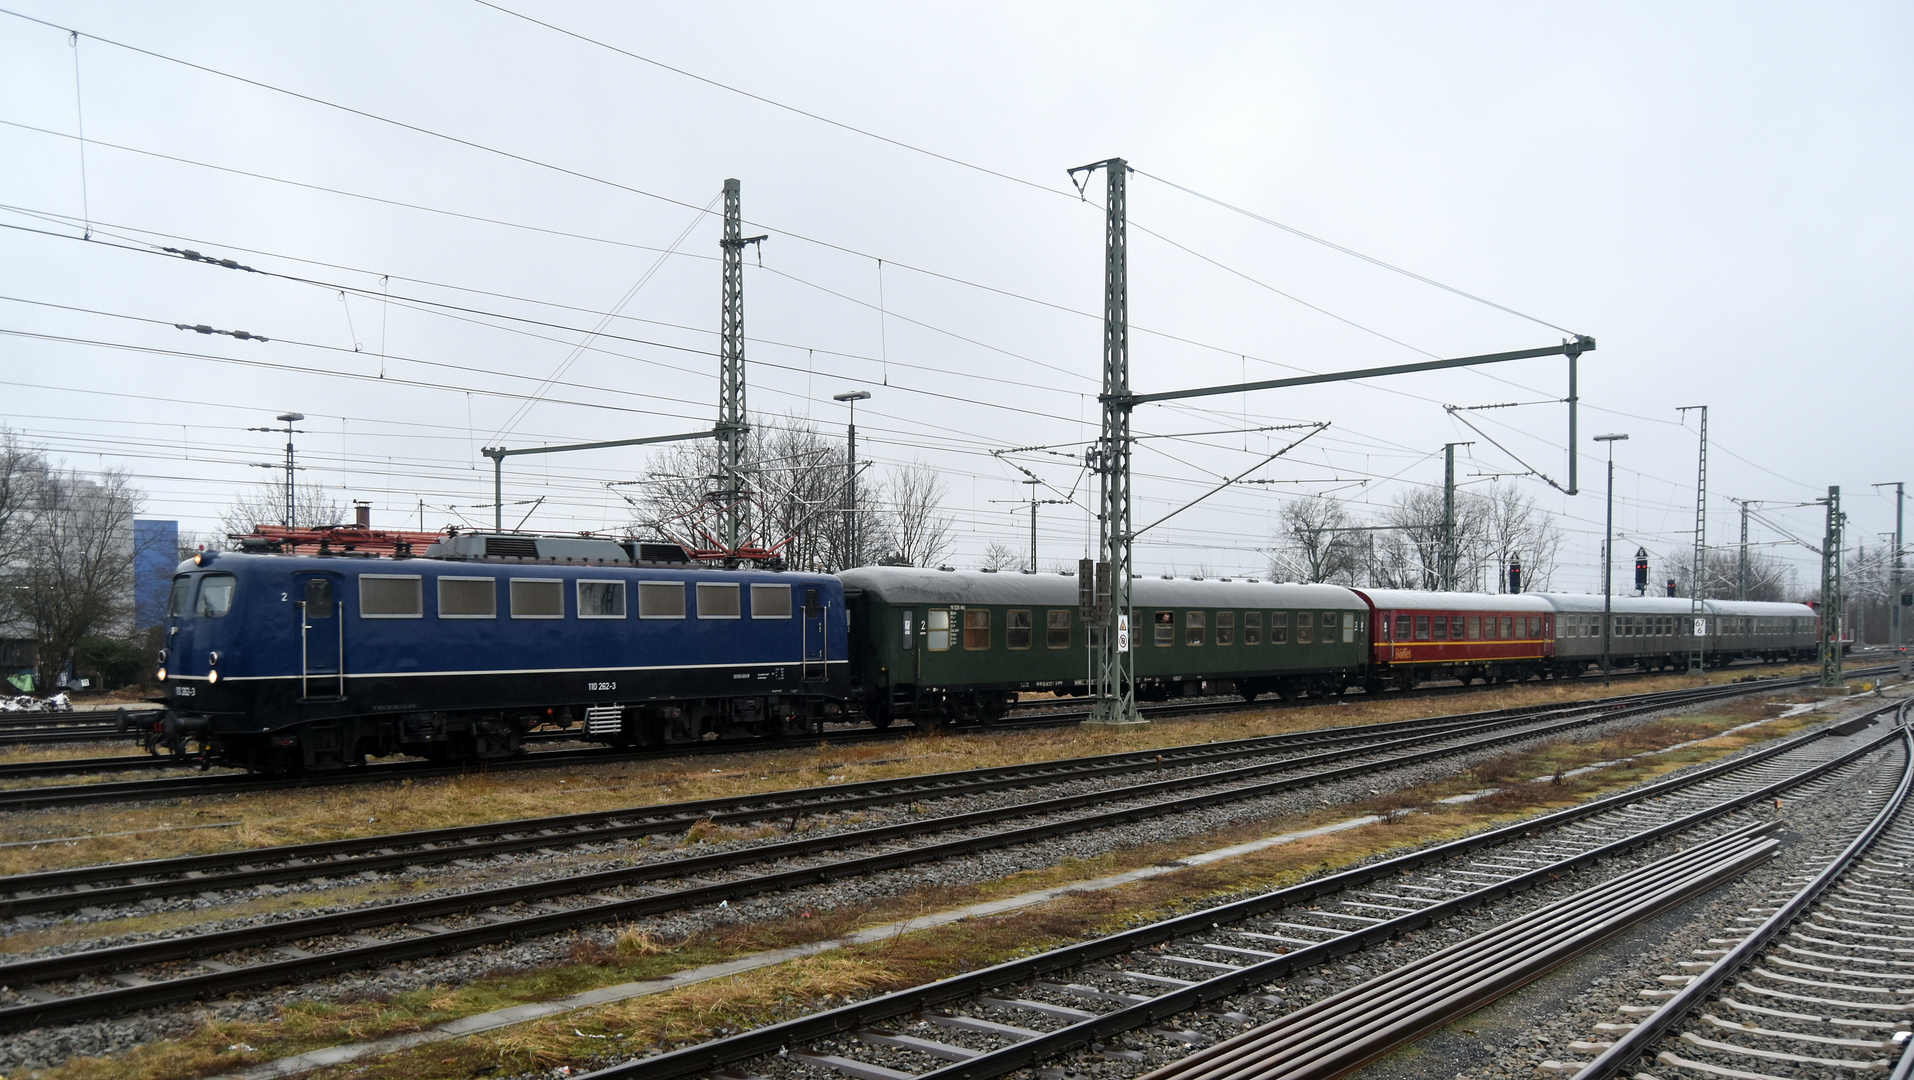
<point>97,982</point>
<point>1207,979</point>
<point>121,883</point>
<point>1817,984</point>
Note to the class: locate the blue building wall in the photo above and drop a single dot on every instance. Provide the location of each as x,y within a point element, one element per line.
<point>155,554</point>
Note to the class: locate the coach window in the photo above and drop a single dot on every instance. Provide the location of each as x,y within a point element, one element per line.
<point>538,598</point>
<point>977,628</point>
<point>1403,633</point>
<point>1056,628</point>
<point>1475,627</point>
<point>1017,629</point>
<point>1165,628</point>
<point>1422,628</point>
<point>1252,628</point>
<point>718,600</point>
<point>600,599</point>
<point>1193,627</point>
<point>386,596</point>
<point>1535,626</point>
<point>1279,628</point>
<point>1305,628</point>
<point>770,601</point>
<point>215,595</point>
<point>661,600</point>
<point>1508,627</point>
<point>1329,627</point>
<point>1440,631</point>
<point>468,598</point>
<point>1226,628</point>
<point>937,627</point>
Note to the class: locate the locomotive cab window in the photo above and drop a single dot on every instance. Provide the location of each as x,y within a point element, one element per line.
<point>1165,628</point>
<point>1305,628</point>
<point>1193,627</point>
<point>215,595</point>
<point>461,597</point>
<point>1226,628</point>
<point>180,603</point>
<point>1017,630</point>
<point>770,601</point>
<point>1252,628</point>
<point>937,623</point>
<point>1056,633</point>
<point>1279,628</point>
<point>318,600</point>
<point>717,600</point>
<point>601,599</point>
<point>391,596</point>
<point>538,598</point>
<point>661,600</point>
<point>977,628</point>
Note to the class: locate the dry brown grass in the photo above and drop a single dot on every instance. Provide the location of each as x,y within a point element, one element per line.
<point>1412,817</point>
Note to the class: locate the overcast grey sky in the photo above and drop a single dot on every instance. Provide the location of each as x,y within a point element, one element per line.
<point>1717,193</point>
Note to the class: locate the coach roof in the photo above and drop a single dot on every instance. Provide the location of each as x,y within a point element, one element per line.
<point>1414,600</point>
<point>911,585</point>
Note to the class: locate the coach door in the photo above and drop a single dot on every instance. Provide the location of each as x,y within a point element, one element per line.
<point>815,652</point>
<point>322,636</point>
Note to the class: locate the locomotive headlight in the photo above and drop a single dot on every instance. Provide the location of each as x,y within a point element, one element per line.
<point>212,676</point>
<point>162,674</point>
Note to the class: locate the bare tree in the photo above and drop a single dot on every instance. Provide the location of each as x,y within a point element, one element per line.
<point>264,503</point>
<point>919,529</point>
<point>1510,525</point>
<point>1000,557</point>
<point>1315,542</point>
<point>1768,577</point>
<point>22,475</point>
<point>79,581</point>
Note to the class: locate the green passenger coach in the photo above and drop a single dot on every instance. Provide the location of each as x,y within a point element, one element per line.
<point>957,645</point>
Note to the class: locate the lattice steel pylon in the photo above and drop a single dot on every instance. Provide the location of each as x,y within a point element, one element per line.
<point>1697,576</point>
<point>734,423</point>
<point>1113,674</point>
<point>1833,604</point>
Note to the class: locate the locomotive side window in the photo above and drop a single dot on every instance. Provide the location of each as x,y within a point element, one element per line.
<point>319,598</point>
<point>1193,628</point>
<point>391,596</point>
<point>661,600</point>
<point>1252,628</point>
<point>1056,633</point>
<point>1017,629</point>
<point>601,599</point>
<point>717,600</point>
<point>1305,624</point>
<point>1279,628</point>
<point>1226,628</point>
<point>538,598</point>
<point>1166,628</point>
<point>937,622</point>
<point>182,599</point>
<point>215,595</point>
<point>977,628</point>
<point>770,601</point>
<point>461,597</point>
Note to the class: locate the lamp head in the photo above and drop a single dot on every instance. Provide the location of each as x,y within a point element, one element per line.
<point>853,395</point>
<point>1611,438</point>
<point>289,417</point>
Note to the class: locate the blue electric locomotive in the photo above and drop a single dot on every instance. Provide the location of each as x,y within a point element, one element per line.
<point>279,663</point>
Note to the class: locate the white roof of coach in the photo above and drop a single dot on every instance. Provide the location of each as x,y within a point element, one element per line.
<point>1416,600</point>
<point>915,585</point>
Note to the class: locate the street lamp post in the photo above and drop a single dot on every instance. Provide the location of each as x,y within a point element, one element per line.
<point>288,419</point>
<point>851,398</point>
<point>1608,557</point>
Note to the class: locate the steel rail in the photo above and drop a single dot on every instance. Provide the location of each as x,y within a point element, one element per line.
<point>86,886</point>
<point>1145,805</point>
<point>774,1037</point>
<point>1345,1031</point>
<point>1655,1026</point>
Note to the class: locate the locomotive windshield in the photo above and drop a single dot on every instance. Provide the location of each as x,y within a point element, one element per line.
<point>182,596</point>
<point>215,595</point>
